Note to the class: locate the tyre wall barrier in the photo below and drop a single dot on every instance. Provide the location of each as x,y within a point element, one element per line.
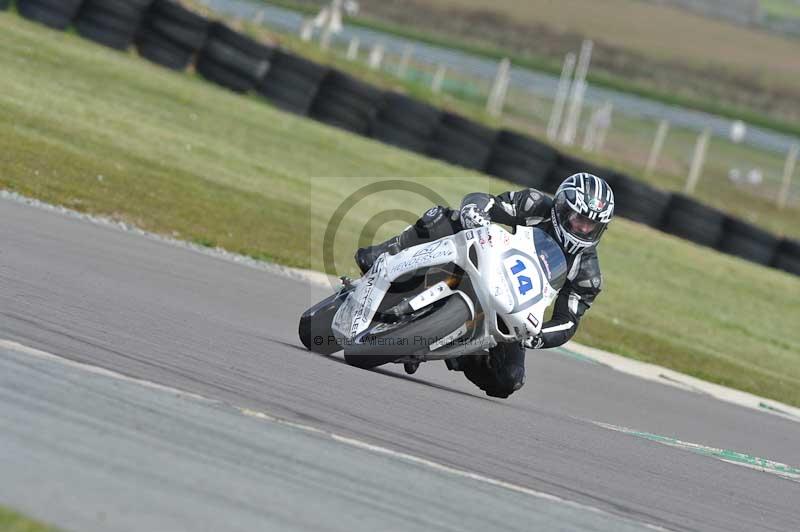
<point>56,14</point>
<point>172,36</point>
<point>112,23</point>
<point>346,102</point>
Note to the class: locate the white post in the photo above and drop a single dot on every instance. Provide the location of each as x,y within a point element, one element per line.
<point>259,18</point>
<point>698,160</point>
<point>307,30</point>
<point>375,57</point>
<point>561,97</point>
<point>352,49</point>
<point>658,145</point>
<point>494,104</point>
<point>591,131</point>
<point>331,21</point>
<point>405,60</point>
<point>604,126</point>
<point>788,172</point>
<point>438,79</point>
<point>576,97</point>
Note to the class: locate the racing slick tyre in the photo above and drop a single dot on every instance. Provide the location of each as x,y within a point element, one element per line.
<point>315,325</point>
<point>403,339</point>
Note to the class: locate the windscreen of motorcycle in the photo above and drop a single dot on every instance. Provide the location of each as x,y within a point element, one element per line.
<point>551,258</point>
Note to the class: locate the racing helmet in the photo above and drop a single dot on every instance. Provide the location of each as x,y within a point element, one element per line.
<point>582,209</point>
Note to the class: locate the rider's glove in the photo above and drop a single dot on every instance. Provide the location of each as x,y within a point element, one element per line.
<point>534,343</point>
<point>472,217</point>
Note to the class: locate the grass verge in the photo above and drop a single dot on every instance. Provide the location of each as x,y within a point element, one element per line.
<point>108,133</point>
<point>11,521</point>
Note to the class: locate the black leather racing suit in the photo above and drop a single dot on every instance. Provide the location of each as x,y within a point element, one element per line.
<point>503,371</point>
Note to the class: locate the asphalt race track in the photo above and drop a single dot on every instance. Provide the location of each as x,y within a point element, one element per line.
<point>91,451</point>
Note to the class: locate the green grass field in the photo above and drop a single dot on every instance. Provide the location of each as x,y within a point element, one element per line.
<point>627,146</point>
<point>13,522</point>
<point>788,9</point>
<point>653,51</point>
<point>108,133</point>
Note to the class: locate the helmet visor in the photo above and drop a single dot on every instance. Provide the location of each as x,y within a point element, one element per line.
<point>579,225</point>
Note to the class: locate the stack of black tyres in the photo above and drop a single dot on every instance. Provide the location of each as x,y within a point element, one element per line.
<point>171,35</point>
<point>521,159</point>
<point>748,241</point>
<point>233,60</point>
<point>405,122</point>
<point>112,23</point>
<point>693,221</point>
<point>787,256</point>
<point>57,14</point>
<point>461,141</point>
<point>639,201</point>
<point>346,102</point>
<point>292,82</point>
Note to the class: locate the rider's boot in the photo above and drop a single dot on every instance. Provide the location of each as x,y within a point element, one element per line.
<point>437,222</point>
<point>366,257</point>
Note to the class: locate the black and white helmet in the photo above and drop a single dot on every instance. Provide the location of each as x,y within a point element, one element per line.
<point>582,209</point>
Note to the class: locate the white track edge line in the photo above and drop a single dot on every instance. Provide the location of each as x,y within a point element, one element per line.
<point>346,440</point>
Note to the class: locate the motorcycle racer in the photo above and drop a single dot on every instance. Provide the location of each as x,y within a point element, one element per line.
<point>576,217</point>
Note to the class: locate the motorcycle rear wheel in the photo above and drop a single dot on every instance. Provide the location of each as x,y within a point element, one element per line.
<point>405,339</point>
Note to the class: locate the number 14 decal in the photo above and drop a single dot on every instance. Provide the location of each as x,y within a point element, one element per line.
<point>524,281</point>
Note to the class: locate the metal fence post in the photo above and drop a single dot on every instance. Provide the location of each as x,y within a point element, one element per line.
<point>438,78</point>
<point>658,145</point>
<point>698,160</point>
<point>352,49</point>
<point>376,57</point>
<point>788,172</point>
<point>570,130</point>
<point>494,104</point>
<point>405,60</point>
<point>561,97</point>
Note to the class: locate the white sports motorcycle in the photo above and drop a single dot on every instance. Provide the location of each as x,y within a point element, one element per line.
<point>455,296</point>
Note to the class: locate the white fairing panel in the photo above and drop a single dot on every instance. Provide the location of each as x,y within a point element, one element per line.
<point>358,311</point>
<point>508,279</point>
